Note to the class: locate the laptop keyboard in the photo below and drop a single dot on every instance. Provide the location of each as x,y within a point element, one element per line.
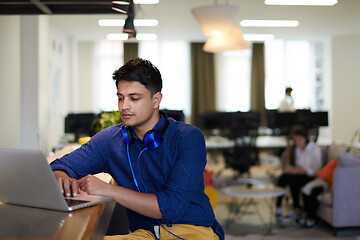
<point>72,202</point>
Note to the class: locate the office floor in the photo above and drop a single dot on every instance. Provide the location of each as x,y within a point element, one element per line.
<point>249,227</point>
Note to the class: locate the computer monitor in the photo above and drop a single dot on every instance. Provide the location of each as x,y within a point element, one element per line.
<point>277,119</point>
<point>304,117</point>
<point>244,123</point>
<point>320,119</point>
<point>212,120</point>
<point>284,121</point>
<point>80,124</point>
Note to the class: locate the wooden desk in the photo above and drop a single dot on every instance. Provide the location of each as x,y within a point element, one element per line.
<point>17,222</point>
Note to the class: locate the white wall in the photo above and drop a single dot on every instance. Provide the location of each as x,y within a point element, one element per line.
<point>31,53</point>
<point>345,87</point>
<point>54,84</point>
<point>34,82</point>
<point>86,63</point>
<point>9,81</point>
<point>325,132</point>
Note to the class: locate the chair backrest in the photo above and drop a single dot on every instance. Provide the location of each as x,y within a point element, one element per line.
<point>119,223</point>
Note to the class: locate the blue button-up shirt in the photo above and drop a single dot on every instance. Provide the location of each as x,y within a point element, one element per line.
<point>173,172</point>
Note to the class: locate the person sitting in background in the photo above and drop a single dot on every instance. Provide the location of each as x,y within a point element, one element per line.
<point>312,190</point>
<point>287,103</point>
<point>302,163</point>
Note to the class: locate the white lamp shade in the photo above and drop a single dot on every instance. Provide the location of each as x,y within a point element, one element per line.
<point>231,40</point>
<point>215,18</point>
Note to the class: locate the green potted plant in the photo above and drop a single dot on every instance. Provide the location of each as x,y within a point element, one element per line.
<point>106,119</point>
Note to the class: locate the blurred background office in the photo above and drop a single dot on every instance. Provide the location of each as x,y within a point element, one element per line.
<point>53,65</point>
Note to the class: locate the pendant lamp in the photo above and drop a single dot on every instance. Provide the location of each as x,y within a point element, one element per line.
<point>132,35</point>
<point>231,40</point>
<point>215,19</point>
<point>129,25</point>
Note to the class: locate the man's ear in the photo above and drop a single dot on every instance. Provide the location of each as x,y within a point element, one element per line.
<point>157,99</point>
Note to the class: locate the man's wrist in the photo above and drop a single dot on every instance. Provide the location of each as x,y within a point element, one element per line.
<point>59,173</point>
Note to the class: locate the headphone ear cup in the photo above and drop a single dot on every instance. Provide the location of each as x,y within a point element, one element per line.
<point>152,139</point>
<point>127,135</point>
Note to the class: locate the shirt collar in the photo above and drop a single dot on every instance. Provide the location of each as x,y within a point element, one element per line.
<point>157,126</point>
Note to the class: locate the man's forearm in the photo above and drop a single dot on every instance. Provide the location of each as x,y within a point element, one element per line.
<point>142,203</point>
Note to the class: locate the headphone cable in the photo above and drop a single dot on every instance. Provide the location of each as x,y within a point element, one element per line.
<point>147,192</point>
<point>132,171</point>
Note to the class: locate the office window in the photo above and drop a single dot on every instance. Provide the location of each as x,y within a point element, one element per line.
<point>233,72</point>
<point>289,64</point>
<point>172,58</point>
<point>110,57</point>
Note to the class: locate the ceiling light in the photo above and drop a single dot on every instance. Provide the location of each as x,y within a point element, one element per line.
<point>215,18</point>
<point>125,36</point>
<point>216,33</point>
<point>129,22</point>
<point>117,36</point>
<point>111,22</point>
<point>302,2</point>
<point>146,1</point>
<point>146,36</point>
<point>121,22</point>
<point>269,23</point>
<point>258,37</point>
<point>231,40</point>
<point>146,22</point>
<point>120,6</point>
<point>129,26</point>
<point>132,35</point>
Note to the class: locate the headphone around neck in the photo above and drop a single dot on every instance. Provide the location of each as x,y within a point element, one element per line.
<point>152,138</point>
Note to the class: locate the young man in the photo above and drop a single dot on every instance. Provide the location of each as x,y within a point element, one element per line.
<point>158,164</point>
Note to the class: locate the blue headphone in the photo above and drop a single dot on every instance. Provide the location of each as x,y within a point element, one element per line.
<point>152,138</point>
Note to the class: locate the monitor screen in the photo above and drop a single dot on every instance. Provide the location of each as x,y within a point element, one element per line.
<point>80,124</point>
<point>214,120</point>
<point>320,119</point>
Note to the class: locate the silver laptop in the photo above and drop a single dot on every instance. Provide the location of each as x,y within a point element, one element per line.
<point>26,179</point>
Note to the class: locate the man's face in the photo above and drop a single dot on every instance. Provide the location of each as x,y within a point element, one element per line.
<point>136,105</point>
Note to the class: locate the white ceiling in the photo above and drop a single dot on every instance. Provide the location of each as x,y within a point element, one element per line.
<point>177,23</point>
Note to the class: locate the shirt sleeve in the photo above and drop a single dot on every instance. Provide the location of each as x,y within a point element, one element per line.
<point>90,158</point>
<point>314,160</point>
<point>309,159</point>
<point>186,179</point>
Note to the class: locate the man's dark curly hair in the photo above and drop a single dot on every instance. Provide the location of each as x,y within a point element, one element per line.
<point>140,70</point>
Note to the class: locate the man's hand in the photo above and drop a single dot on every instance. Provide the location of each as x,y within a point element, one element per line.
<point>68,186</point>
<point>94,185</point>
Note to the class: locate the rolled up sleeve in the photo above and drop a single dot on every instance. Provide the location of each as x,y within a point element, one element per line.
<point>88,159</point>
